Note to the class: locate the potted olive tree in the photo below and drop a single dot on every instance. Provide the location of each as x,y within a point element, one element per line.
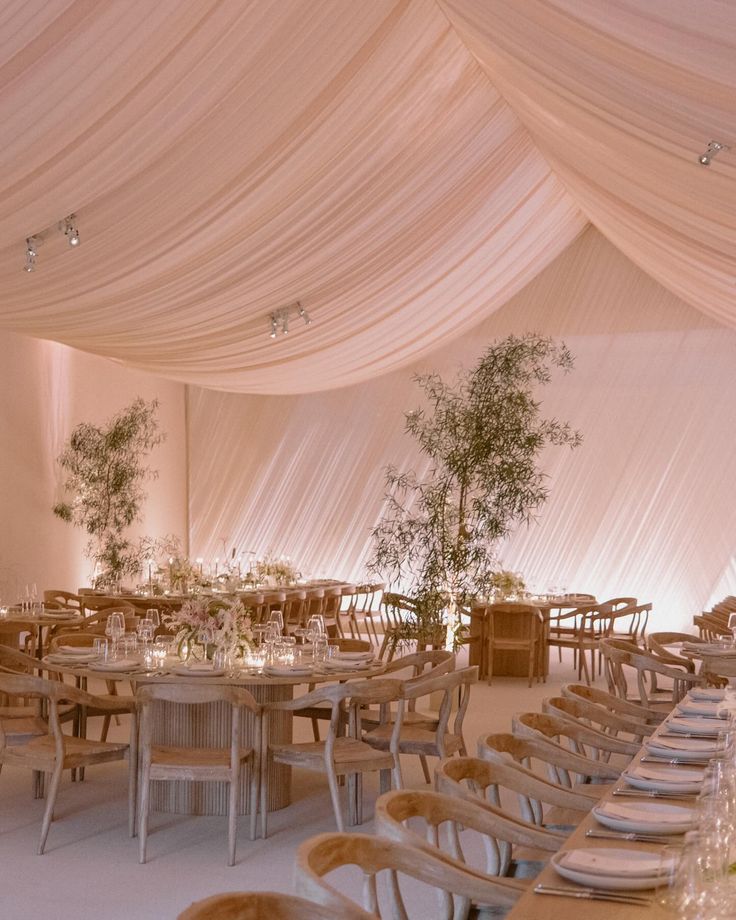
<point>105,470</point>
<point>482,435</point>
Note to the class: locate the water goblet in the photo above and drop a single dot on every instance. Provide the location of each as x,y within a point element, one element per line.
<point>277,616</point>
<point>153,615</point>
<point>115,630</point>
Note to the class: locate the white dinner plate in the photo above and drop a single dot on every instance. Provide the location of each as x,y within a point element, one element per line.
<point>685,725</point>
<point>61,614</point>
<point>120,664</point>
<point>665,778</point>
<point>198,669</point>
<point>611,868</point>
<point>645,817</point>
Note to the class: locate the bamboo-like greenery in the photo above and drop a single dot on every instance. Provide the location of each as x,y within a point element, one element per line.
<point>106,469</point>
<point>483,435</point>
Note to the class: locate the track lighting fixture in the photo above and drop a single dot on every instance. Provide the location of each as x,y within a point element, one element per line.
<point>69,228</point>
<point>713,149</point>
<point>32,244</point>
<point>279,319</point>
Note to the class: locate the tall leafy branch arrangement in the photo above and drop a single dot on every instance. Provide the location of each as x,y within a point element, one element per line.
<point>482,435</point>
<point>105,470</point>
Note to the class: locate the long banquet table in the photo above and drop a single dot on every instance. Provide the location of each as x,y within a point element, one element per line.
<point>532,906</point>
<point>209,725</point>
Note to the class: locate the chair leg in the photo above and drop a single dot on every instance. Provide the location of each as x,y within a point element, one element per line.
<point>489,664</point>
<point>425,768</point>
<point>315,729</point>
<point>232,817</point>
<point>132,773</point>
<point>254,792</point>
<point>335,796</point>
<point>48,815</point>
<point>143,812</point>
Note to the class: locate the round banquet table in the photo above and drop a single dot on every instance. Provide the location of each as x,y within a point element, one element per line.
<point>35,623</point>
<point>209,725</point>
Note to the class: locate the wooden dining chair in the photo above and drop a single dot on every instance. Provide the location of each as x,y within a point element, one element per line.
<point>624,660</point>
<point>560,766</point>
<point>161,762</point>
<point>582,631</point>
<point>516,791</point>
<point>577,737</point>
<point>359,613</point>
<point>626,709</point>
<point>430,812</point>
<point>55,751</point>
<point>320,856</point>
<point>711,628</point>
<point>515,628</point>
<point>395,608</point>
<point>344,752</point>
<point>65,600</point>
<point>263,905</point>
<point>420,739</point>
<point>597,717</point>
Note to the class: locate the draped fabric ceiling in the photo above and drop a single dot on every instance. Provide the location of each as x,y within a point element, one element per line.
<point>401,167</point>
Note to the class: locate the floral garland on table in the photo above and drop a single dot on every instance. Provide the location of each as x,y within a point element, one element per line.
<point>280,570</point>
<point>222,622</point>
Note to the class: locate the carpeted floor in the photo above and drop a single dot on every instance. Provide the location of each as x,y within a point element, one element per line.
<point>90,869</point>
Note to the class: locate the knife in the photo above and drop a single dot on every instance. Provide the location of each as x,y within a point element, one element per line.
<point>594,894</point>
<point>675,761</point>
<point>663,839</point>
<point>653,794</point>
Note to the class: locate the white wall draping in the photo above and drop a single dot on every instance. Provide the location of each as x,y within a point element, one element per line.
<point>45,390</point>
<point>226,159</point>
<point>643,507</point>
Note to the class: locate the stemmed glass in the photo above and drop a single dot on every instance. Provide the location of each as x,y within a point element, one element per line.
<point>277,617</point>
<point>115,630</point>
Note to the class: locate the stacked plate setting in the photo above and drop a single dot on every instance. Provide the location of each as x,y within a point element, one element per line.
<point>612,868</point>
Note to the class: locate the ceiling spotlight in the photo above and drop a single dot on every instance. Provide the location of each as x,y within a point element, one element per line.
<point>68,227</point>
<point>32,244</point>
<point>285,321</point>
<point>713,149</point>
<point>274,328</point>
<point>303,313</point>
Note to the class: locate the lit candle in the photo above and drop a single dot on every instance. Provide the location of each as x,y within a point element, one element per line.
<point>217,565</point>
<point>200,560</point>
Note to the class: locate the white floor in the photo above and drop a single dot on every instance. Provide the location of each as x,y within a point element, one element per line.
<point>90,868</point>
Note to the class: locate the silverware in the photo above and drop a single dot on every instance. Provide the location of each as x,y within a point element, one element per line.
<point>652,794</point>
<point>624,835</point>
<point>594,894</point>
<point>705,736</point>
<point>674,761</point>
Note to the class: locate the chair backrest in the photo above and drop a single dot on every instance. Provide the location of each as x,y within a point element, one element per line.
<point>262,905</point>
<point>65,599</point>
<point>577,737</point>
<point>518,621</point>
<point>429,663</point>
<point>562,766</point>
<point>476,778</point>
<point>327,853</point>
<point>620,655</point>
<point>631,620</point>
<point>499,832</point>
<point>446,684</point>
<point>625,708</point>
<point>91,603</point>
<point>598,717</point>
<point>709,628</point>
<point>395,607</point>
<point>294,608</point>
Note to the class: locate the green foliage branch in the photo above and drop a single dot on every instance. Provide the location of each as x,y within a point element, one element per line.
<point>482,435</point>
<point>105,470</point>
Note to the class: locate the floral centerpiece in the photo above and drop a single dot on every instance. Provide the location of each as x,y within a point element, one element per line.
<point>271,570</point>
<point>203,621</point>
<point>504,583</point>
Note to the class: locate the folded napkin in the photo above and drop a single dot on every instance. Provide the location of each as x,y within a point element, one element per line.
<point>707,693</point>
<point>701,707</point>
<point>669,774</point>
<point>75,649</point>
<point>700,726</point>
<point>649,812</point>
<point>337,664</point>
<point>276,670</point>
<point>121,664</point>
<point>614,862</point>
<point>687,745</point>
<point>352,656</point>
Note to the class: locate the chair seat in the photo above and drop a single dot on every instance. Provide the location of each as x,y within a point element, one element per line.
<point>350,755</point>
<point>40,753</point>
<point>414,739</point>
<point>414,717</point>
<point>521,645</point>
<point>196,764</point>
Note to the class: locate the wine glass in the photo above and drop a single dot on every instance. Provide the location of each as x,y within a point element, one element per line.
<point>152,614</point>
<point>277,617</point>
<point>115,630</point>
